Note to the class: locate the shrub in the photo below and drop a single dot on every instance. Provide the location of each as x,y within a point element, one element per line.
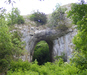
<point>5,46</point>
<point>10,46</point>
<point>57,68</point>
<point>61,57</point>
<point>16,65</point>
<point>80,60</point>
<point>14,17</point>
<point>39,18</point>
<point>57,19</point>
<point>20,20</point>
<point>18,45</point>
<point>78,14</point>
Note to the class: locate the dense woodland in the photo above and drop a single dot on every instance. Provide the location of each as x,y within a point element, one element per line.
<point>11,46</point>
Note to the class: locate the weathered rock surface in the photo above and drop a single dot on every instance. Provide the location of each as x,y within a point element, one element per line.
<point>64,45</point>
<point>58,41</point>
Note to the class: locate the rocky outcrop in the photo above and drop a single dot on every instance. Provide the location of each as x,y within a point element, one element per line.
<point>58,41</point>
<point>49,36</point>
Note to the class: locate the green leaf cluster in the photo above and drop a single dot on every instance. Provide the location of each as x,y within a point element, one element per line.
<point>39,18</point>
<point>10,46</point>
<point>14,17</point>
<point>57,18</point>
<point>18,45</point>
<point>5,46</point>
<point>56,68</point>
<point>78,14</point>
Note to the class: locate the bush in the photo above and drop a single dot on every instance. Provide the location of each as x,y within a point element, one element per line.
<point>57,19</point>
<point>20,20</point>
<point>10,46</point>
<point>80,60</point>
<point>5,46</point>
<point>39,18</point>
<point>56,68</point>
<point>3,65</point>
<point>16,65</point>
<point>78,14</point>
<point>18,45</point>
<point>14,17</point>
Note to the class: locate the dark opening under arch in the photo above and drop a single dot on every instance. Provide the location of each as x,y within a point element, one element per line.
<point>43,52</point>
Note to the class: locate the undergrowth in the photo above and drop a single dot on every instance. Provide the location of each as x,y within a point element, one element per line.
<point>56,68</point>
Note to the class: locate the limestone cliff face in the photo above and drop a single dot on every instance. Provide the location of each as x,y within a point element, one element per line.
<point>64,45</point>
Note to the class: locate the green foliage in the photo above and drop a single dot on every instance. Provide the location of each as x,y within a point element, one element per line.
<point>10,45</point>
<point>78,14</point>
<point>39,18</point>
<point>20,20</point>
<point>5,46</point>
<point>58,15</point>
<point>84,72</point>
<point>80,60</point>
<point>56,68</point>
<point>41,52</point>
<point>57,19</point>
<point>2,12</point>
<point>80,42</point>
<point>61,57</point>
<point>16,65</point>
<point>14,17</point>
<point>18,47</point>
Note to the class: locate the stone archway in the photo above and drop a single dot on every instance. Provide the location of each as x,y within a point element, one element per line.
<point>46,35</point>
<point>50,44</point>
<point>42,53</point>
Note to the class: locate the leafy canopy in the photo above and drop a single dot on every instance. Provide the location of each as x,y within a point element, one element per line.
<point>78,14</point>
<point>14,17</point>
<point>10,45</point>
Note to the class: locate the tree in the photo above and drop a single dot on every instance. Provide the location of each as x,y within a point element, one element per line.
<point>57,18</point>
<point>38,18</point>
<point>10,45</point>
<point>2,14</point>
<point>14,17</point>
<point>78,14</point>
<point>5,46</point>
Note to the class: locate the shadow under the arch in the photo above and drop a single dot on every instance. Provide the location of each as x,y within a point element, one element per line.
<point>43,52</point>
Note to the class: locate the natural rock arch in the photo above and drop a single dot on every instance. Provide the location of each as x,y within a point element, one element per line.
<point>45,35</point>
<point>50,44</point>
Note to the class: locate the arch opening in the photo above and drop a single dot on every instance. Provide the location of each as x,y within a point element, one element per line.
<point>41,52</point>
